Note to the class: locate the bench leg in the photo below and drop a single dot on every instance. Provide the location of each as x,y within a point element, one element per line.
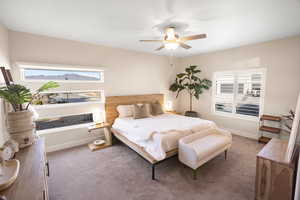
<point>225,154</point>
<point>195,174</point>
<point>153,171</point>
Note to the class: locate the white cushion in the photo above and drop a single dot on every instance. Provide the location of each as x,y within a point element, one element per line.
<point>125,110</point>
<point>149,109</point>
<point>198,148</point>
<point>209,144</point>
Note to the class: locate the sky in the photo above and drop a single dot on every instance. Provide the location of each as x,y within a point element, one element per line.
<point>45,72</point>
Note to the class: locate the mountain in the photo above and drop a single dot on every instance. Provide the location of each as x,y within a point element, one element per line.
<point>71,76</point>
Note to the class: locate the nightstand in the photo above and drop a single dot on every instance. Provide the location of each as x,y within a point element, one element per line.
<point>107,134</point>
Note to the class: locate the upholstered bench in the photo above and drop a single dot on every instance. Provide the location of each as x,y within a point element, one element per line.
<point>199,148</point>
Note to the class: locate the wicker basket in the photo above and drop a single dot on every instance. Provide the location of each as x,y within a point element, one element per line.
<point>21,127</point>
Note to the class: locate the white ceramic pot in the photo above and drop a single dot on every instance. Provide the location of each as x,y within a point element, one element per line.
<point>21,127</point>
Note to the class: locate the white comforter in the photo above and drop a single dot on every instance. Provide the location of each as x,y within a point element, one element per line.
<point>160,134</point>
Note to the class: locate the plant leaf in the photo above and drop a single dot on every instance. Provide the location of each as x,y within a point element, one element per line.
<point>193,67</point>
<point>195,78</point>
<point>16,95</point>
<point>47,86</point>
<point>174,87</point>
<point>180,75</point>
<point>188,70</point>
<point>180,89</point>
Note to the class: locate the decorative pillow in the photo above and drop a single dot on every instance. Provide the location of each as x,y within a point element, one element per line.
<point>125,110</point>
<point>156,109</point>
<point>148,108</point>
<point>140,112</point>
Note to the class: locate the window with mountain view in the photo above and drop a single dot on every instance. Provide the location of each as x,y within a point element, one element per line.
<point>239,93</point>
<point>62,75</point>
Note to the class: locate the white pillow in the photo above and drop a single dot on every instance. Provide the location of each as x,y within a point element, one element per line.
<point>125,110</point>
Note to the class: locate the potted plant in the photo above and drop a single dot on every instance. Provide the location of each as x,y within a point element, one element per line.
<point>19,121</point>
<point>190,82</point>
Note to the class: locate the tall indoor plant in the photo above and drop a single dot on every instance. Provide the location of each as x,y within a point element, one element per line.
<point>19,121</point>
<point>190,82</point>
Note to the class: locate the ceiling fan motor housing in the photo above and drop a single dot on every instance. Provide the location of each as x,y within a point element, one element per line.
<point>171,39</point>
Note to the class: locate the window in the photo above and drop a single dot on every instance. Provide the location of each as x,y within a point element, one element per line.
<point>56,122</point>
<point>36,73</point>
<point>239,93</point>
<point>66,97</point>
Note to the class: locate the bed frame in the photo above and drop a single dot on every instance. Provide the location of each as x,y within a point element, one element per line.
<point>111,103</point>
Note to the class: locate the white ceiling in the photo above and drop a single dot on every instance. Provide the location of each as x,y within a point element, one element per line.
<point>121,23</point>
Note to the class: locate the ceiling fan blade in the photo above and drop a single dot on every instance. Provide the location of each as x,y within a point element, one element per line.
<point>159,48</point>
<point>151,40</point>
<point>193,37</point>
<point>185,46</point>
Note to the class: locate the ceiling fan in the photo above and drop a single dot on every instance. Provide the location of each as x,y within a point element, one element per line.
<point>171,39</point>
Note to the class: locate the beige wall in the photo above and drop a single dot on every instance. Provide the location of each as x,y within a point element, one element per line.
<point>4,61</point>
<point>128,72</point>
<point>4,51</point>
<point>281,58</point>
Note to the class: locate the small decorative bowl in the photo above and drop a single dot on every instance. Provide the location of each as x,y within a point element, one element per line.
<point>99,142</point>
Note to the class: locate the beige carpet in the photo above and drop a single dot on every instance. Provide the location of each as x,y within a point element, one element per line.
<point>119,173</point>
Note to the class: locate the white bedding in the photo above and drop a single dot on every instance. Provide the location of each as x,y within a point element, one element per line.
<point>159,134</point>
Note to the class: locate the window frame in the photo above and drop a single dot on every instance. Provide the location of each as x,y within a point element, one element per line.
<point>235,92</point>
<point>24,66</point>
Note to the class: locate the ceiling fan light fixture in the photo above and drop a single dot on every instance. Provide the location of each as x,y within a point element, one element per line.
<point>170,32</point>
<point>171,45</point>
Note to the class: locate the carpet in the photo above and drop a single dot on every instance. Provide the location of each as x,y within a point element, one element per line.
<point>119,173</point>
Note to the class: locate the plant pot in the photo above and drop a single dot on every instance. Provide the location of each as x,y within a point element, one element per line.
<point>21,127</point>
<point>191,114</point>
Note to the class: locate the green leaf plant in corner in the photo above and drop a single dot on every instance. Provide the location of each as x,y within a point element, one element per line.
<point>18,95</point>
<point>190,81</point>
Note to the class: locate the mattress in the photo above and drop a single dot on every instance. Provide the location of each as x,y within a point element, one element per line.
<point>159,134</point>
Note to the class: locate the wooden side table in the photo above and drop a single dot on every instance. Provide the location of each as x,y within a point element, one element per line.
<point>107,134</point>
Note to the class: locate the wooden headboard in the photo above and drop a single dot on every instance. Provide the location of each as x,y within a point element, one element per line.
<point>111,103</point>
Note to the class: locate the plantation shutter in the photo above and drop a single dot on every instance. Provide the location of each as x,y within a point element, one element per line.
<point>239,92</point>
<point>248,99</point>
<point>224,94</point>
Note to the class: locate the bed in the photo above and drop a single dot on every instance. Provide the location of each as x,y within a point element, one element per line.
<point>155,138</point>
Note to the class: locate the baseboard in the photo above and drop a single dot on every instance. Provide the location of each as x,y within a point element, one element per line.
<point>86,140</point>
<point>246,134</point>
<point>70,144</point>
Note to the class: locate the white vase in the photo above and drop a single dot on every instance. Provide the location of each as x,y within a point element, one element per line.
<point>21,127</point>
